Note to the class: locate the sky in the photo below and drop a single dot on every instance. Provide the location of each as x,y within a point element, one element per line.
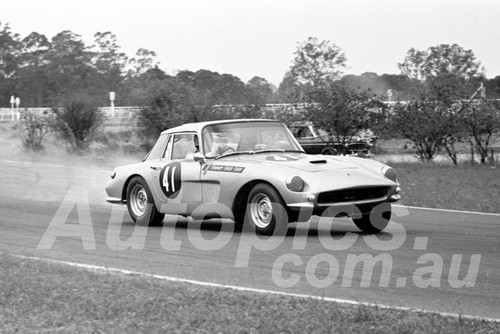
<point>248,38</point>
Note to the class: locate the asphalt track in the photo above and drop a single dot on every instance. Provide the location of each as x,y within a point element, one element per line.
<point>425,255</point>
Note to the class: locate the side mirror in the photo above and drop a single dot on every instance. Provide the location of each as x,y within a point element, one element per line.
<point>199,157</point>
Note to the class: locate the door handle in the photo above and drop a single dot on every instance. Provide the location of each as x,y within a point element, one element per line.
<point>155,167</point>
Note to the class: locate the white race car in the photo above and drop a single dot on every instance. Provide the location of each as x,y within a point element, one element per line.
<point>255,173</point>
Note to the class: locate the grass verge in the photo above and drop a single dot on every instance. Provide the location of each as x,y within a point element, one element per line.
<point>465,187</point>
<point>43,297</point>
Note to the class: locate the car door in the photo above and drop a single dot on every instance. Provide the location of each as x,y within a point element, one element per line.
<point>176,176</point>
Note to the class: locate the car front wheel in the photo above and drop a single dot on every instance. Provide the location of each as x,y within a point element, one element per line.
<point>375,221</point>
<point>265,212</point>
<point>140,204</point>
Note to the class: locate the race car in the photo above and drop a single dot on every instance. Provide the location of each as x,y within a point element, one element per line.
<point>255,173</point>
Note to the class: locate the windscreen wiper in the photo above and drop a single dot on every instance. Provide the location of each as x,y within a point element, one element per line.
<point>275,150</point>
<point>278,150</point>
<point>233,153</point>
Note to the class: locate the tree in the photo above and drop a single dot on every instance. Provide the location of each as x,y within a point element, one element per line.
<point>317,63</point>
<point>32,76</point>
<point>171,103</point>
<point>31,85</point>
<point>492,86</point>
<point>340,111</point>
<point>414,64</point>
<point>37,127</point>
<point>76,120</point>
<point>136,90</point>
<point>34,50</point>
<point>229,90</point>
<point>9,51</point>
<point>108,61</point>
<point>259,91</point>
<point>447,88</point>
<point>219,88</point>
<point>482,120</point>
<point>205,79</point>
<point>223,88</point>
<point>421,121</point>
<point>453,128</point>
<point>290,90</point>
<point>438,60</point>
<point>143,61</point>
<point>69,66</point>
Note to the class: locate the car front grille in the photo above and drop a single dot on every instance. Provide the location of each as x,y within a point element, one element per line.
<point>352,195</point>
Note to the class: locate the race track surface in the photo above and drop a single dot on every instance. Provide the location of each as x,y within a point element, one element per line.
<point>433,260</point>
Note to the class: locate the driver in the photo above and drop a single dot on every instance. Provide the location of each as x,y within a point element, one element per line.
<point>223,149</point>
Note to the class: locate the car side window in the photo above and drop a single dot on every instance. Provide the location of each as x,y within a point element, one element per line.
<point>183,146</point>
<point>168,149</point>
<point>303,132</point>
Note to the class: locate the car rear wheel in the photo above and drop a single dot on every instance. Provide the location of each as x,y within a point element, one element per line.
<point>265,212</point>
<point>376,221</point>
<point>140,204</point>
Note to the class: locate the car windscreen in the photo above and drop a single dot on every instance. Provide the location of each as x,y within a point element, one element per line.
<point>219,139</point>
<point>158,149</point>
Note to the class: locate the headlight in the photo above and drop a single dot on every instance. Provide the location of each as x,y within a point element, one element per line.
<point>390,173</point>
<point>294,183</point>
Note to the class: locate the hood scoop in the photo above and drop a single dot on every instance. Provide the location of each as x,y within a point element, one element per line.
<point>316,162</point>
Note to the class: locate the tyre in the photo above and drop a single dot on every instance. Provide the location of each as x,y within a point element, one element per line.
<point>265,212</point>
<point>376,221</point>
<point>140,204</point>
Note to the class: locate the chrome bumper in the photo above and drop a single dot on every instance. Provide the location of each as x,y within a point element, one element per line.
<point>115,200</point>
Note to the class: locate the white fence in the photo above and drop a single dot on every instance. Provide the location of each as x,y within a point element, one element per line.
<point>113,114</point>
<point>14,114</point>
<point>128,114</point>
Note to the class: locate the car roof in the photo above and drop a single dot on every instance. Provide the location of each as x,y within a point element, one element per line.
<point>197,127</point>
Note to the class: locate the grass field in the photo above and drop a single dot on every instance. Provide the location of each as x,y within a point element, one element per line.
<point>466,187</point>
<point>43,297</point>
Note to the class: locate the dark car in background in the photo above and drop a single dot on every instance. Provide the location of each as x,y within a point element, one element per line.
<point>317,141</point>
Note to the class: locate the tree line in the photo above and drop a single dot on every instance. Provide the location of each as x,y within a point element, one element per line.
<point>41,71</point>
<point>432,93</point>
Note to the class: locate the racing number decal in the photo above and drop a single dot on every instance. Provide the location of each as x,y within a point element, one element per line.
<point>170,179</point>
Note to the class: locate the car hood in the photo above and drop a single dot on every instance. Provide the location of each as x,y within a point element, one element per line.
<point>310,163</point>
<point>304,162</point>
<point>320,171</point>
